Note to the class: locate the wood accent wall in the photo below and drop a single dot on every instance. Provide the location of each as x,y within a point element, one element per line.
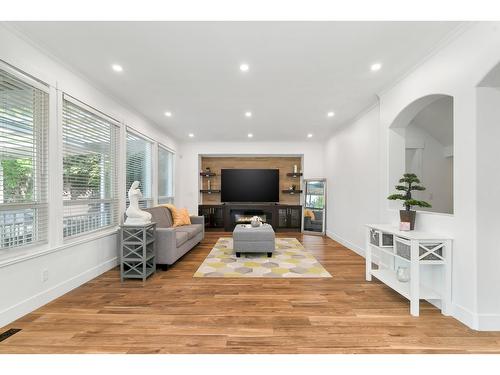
<point>284,164</point>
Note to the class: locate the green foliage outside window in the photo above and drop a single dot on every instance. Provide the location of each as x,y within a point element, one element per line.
<point>17,180</point>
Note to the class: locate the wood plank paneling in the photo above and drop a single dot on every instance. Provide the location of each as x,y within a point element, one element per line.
<point>175,313</point>
<point>284,164</point>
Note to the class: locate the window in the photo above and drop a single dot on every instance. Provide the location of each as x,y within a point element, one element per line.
<point>90,145</point>
<point>139,167</point>
<point>165,175</point>
<point>24,117</point>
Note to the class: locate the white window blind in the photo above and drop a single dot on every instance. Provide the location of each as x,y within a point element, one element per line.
<point>24,118</point>
<point>139,167</point>
<point>90,181</point>
<point>165,175</point>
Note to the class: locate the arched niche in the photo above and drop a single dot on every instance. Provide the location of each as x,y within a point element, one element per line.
<point>421,142</point>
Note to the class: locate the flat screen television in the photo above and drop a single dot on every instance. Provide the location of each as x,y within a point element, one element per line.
<point>250,185</point>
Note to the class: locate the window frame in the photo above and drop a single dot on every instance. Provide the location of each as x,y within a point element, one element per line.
<point>41,194</point>
<point>170,198</point>
<point>114,199</point>
<point>152,200</point>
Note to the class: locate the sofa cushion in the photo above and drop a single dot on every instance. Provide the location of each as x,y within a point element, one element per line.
<point>192,230</point>
<point>180,216</point>
<point>161,216</point>
<point>180,238</point>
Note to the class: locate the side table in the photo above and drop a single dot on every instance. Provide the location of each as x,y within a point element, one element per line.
<point>137,251</point>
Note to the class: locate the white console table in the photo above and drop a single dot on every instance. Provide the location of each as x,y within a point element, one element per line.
<point>427,255</point>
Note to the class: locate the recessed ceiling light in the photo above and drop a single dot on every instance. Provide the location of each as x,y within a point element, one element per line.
<point>376,67</point>
<point>250,135</point>
<point>168,114</point>
<point>190,135</point>
<point>309,135</point>
<point>117,68</point>
<point>248,114</point>
<point>330,114</point>
<point>244,67</point>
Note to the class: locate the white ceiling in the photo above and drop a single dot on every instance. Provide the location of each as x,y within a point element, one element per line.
<point>298,70</point>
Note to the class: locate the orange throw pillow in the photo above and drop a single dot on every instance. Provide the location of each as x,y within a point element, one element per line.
<point>180,216</point>
<point>310,214</point>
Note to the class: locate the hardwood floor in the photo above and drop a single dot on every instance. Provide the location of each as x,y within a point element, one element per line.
<point>176,313</point>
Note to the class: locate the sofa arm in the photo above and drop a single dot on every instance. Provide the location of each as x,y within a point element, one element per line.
<point>198,220</point>
<point>165,245</point>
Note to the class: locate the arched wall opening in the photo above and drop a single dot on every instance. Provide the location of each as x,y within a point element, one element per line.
<point>421,142</point>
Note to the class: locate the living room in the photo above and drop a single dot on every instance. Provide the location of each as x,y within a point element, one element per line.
<point>260,187</point>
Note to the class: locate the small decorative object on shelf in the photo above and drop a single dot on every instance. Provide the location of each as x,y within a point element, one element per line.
<point>207,173</point>
<point>407,215</point>
<point>213,191</point>
<point>295,169</point>
<point>256,221</point>
<point>137,251</point>
<point>291,191</point>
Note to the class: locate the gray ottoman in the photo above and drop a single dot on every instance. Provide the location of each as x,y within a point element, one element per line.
<point>247,239</point>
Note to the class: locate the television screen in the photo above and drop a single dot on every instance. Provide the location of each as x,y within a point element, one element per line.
<point>250,185</point>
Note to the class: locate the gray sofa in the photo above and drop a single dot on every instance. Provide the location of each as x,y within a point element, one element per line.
<point>172,243</point>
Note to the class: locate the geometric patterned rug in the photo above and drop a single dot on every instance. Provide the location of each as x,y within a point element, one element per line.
<point>290,259</point>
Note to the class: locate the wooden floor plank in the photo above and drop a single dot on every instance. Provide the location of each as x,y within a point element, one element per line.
<point>176,313</point>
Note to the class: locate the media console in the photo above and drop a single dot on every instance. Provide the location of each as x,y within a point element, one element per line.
<point>225,216</point>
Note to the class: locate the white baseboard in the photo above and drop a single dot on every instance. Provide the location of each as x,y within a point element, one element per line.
<point>357,249</point>
<point>22,308</point>
<point>464,315</point>
<point>488,322</point>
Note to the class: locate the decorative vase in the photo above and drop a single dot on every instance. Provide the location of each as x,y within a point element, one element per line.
<point>403,274</point>
<point>408,217</point>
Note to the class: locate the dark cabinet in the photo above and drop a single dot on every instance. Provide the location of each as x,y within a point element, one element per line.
<point>214,215</point>
<point>289,217</point>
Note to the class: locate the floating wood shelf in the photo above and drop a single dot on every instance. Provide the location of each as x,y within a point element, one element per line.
<point>290,191</point>
<point>208,174</point>
<point>210,191</point>
<point>294,174</point>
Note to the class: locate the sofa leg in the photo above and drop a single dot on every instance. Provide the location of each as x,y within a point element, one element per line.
<point>269,255</point>
<point>163,267</point>
<point>238,254</point>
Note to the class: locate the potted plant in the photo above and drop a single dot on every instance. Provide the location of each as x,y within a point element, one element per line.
<point>411,182</point>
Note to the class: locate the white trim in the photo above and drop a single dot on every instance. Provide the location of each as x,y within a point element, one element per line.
<point>77,102</point>
<point>34,302</point>
<point>447,40</point>
<point>42,251</point>
<point>25,77</point>
<point>464,315</point>
<point>357,249</point>
<point>137,133</point>
<point>488,322</point>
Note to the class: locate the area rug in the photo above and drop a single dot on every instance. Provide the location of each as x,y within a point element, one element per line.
<point>290,259</point>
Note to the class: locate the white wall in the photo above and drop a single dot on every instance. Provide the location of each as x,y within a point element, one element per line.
<point>454,70</point>
<point>71,264</point>
<point>352,171</point>
<point>188,164</point>
<point>436,170</point>
<point>488,204</point>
